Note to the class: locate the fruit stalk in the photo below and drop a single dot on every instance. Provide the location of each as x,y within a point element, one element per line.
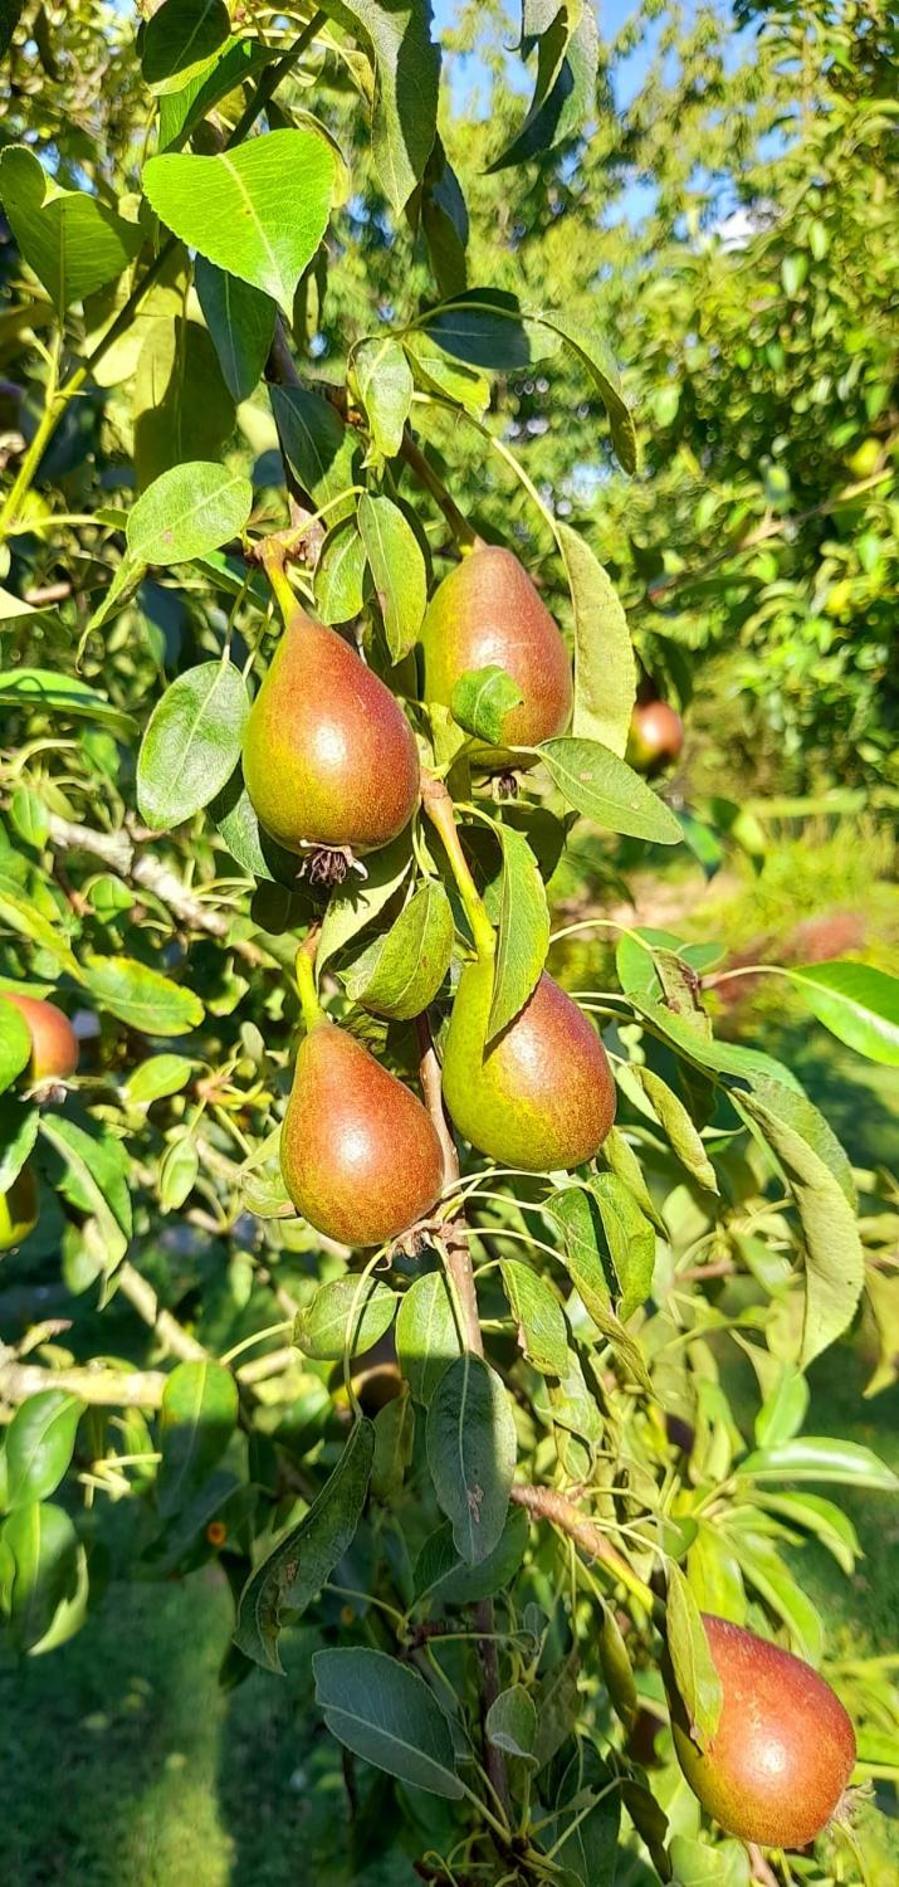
<point>463,532</point>
<point>439,808</point>
<point>304,971</point>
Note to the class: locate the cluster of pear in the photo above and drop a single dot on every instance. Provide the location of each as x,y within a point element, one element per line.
<point>784,1749</point>
<point>54,1056</point>
<point>330,760</point>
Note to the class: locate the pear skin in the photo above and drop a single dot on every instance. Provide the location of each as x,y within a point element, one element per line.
<point>656,736</point>
<point>543,1096</point>
<point>784,1750</point>
<point>54,1044</point>
<point>18,1210</point>
<point>359,1153</point>
<point>329,758</point>
<point>487,613</point>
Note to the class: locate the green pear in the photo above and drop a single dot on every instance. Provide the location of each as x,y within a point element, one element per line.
<point>486,613</point>
<point>329,758</point>
<point>18,1210</point>
<point>359,1153</point>
<point>541,1096</point>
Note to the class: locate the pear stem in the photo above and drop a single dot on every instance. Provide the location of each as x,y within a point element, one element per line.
<point>273,561</point>
<point>465,535</point>
<point>439,808</point>
<point>313,1013</point>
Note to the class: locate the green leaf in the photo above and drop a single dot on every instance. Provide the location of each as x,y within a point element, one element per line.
<point>179,41</point>
<point>715,1578</point>
<point>820,1179</point>
<point>398,571</point>
<point>820,1458</point>
<point>259,211</point>
<point>472,1449</point>
<point>620,1157</point>
<point>181,407</point>
<point>558,1704</point>
<point>400,974</point>
<point>440,1573</point>
<point>394,1439</point>
<point>598,784</point>
<point>346,1316</point>
<point>617,1670</point>
<point>18,1126</point>
<point>684,1137</point>
<point>62,695</point>
<point>143,998</point>
<point>386,1714</point>
<point>157,1077</point>
<point>605,672</point>
<point>198,1418</point>
<point>178,1172</point>
<point>697,1865</point>
<point>339,574</point>
<point>40,1442</point>
<point>486,327</point>
<point>15,1047</point>
<point>858,1004</point>
<point>95,1179</point>
<point>359,900</point>
<point>630,1239</point>
<point>181,111</point>
<point>818,1516</point>
<point>481,699</point>
<point>565,89</point>
<point>384,379</point>
<point>397,34</point>
<point>192,743</point>
<point>29,817</point>
<point>18,912</point>
<point>511,1724</point>
<point>585,1842</point>
<point>321,451</point>
<point>576,1212</point>
<point>253,849</point>
<point>187,512</point>
<point>594,353</point>
<point>427,1337</point>
<point>543,1333</point>
<point>240,320</point>
<point>697,1680</point>
<point>38,1570</point>
<point>294,1572</point>
<point>763,1568</point>
<point>784,1409</point>
<point>438,373</point>
<point>523,930</point>
<point>71,240</point>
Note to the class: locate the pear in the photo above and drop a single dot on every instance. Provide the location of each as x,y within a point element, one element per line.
<point>485,614</point>
<point>329,758</point>
<point>542,1097</point>
<point>54,1044</point>
<point>656,736</point>
<point>775,1770</point>
<point>359,1153</point>
<point>18,1210</point>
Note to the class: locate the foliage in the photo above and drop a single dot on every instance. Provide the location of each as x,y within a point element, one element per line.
<point>533,1478</point>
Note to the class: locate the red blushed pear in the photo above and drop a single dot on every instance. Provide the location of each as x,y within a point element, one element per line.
<point>784,1749</point>
<point>329,758</point>
<point>541,1095</point>
<point>656,736</point>
<point>486,613</point>
<point>359,1153</point>
<point>54,1044</point>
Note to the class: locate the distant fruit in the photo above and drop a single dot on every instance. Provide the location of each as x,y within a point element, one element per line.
<point>18,1210</point>
<point>864,460</point>
<point>54,1044</point>
<point>359,1153</point>
<point>541,1096</point>
<point>486,613</point>
<point>656,736</point>
<point>784,1748</point>
<point>329,758</point>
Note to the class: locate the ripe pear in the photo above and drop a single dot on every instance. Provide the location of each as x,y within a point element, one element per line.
<point>784,1749</point>
<point>18,1210</point>
<point>542,1097</point>
<point>54,1044</point>
<point>485,614</point>
<point>656,736</point>
<point>359,1153</point>
<point>329,758</point>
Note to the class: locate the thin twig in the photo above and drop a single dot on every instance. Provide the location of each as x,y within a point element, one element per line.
<point>544,1503</point>
<point>142,1298</point>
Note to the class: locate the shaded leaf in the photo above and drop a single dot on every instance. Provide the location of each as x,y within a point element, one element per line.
<point>400,974</point>
<point>697,1680</point>
<point>40,1442</point>
<point>427,1337</point>
<point>472,1449</point>
<point>398,571</point>
<point>199,1414</point>
<point>386,1714</point>
<point>346,1315</point>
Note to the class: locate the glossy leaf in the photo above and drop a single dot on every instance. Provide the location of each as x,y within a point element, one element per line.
<point>142,997</point>
<point>543,1334</point>
<point>427,1336</point>
<point>387,1714</point>
<point>40,1442</point>
<point>192,743</point>
<point>384,379</point>
<point>180,39</point>
<point>339,575</point>
<point>241,322</point>
<point>400,974</point>
<point>157,1077</point>
<point>346,1315</point>
<point>398,571</point>
<point>522,931</point>
<point>397,33</point>
<point>74,243</point>
<point>186,512</point>
<point>294,1572</point>
<point>471,1446</point>
<point>321,451</point>
<point>821,1458</point>
<point>94,1177</point>
<point>15,1048</point>
<point>858,1004</point>
<point>199,1414</point>
<point>605,672</point>
<point>259,211</point>
<point>38,1570</point>
<point>482,698</point>
<point>596,782</point>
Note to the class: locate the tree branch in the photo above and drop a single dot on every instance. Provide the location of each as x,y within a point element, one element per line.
<point>142,1297</point>
<point>544,1503</point>
<point>105,1388</point>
